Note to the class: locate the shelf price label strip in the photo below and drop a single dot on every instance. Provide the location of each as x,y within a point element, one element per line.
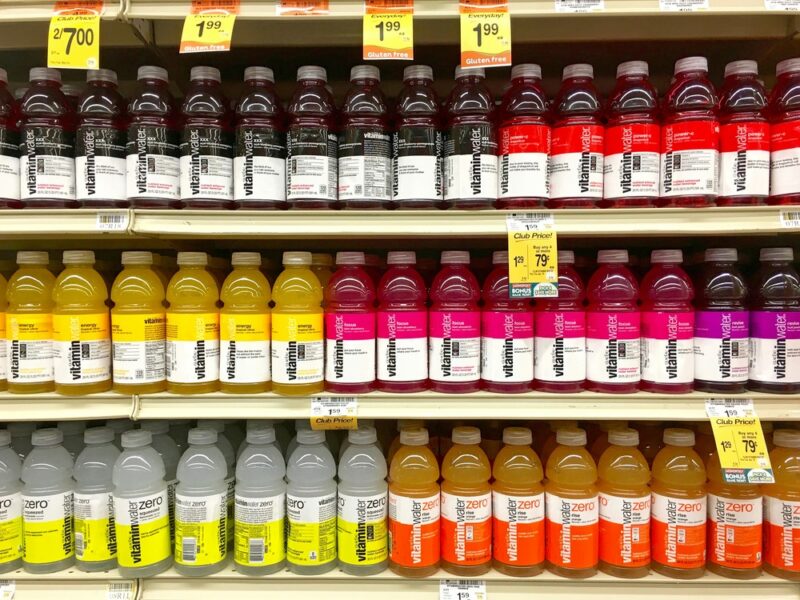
<point>388,30</point>
<point>485,33</point>
<point>462,589</point>
<point>302,8</point>
<point>209,26</point>
<point>8,589</point>
<point>122,590</point>
<point>334,412</point>
<point>73,41</point>
<point>532,255</point>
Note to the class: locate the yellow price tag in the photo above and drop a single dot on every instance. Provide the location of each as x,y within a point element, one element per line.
<point>388,30</point>
<point>74,38</point>
<point>532,255</point>
<point>485,33</point>
<point>334,412</point>
<point>209,26</point>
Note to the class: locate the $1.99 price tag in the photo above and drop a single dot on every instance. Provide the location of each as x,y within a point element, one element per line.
<point>334,412</point>
<point>532,255</point>
<point>485,33</point>
<point>209,26</point>
<point>74,38</point>
<point>388,30</point>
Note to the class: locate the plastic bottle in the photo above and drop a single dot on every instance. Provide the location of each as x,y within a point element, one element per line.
<point>781,502</point>
<point>784,187</point>
<point>322,267</point>
<point>9,147</point>
<point>704,443</point>
<point>678,525</point>
<point>297,324</point>
<point>10,505</point>
<point>73,432</point>
<point>229,453</point>
<point>170,454</point>
<point>550,441</point>
<point>21,438</point>
<point>600,443</point>
<point>179,432</point>
<point>119,426</point>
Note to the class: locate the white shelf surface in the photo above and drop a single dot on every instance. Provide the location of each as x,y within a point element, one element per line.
<point>52,407</point>
<point>59,224</point>
<point>70,584</point>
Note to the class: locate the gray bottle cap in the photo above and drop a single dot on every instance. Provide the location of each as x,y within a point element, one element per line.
<point>259,74</point>
<point>152,72</point>
<point>362,435</point>
<point>203,72</point>
<point>101,75</point>
<point>136,438</point>
<point>202,435</point>
<point>47,437</point>
<point>261,434</point>
<point>5,437</point>
<point>310,436</point>
<point>98,435</point>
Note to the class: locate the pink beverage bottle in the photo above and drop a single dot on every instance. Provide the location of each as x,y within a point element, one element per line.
<point>631,161</point>
<point>470,148</point>
<point>206,143</point>
<point>312,173</point>
<point>775,324</point>
<point>152,152</point>
<point>524,139</point>
<point>259,162</point>
<point>667,325</point>
<point>506,334</point>
<point>47,155</point>
<point>350,327</point>
<point>690,137</point>
<point>576,151</point>
<point>784,115</point>
<point>721,324</point>
<point>402,326</point>
<point>9,146</point>
<point>613,330</point>
<point>454,323</point>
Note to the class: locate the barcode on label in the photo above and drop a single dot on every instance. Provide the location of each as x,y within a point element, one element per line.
<point>334,406</point>
<point>112,221</point>
<point>121,590</point>
<point>79,544</point>
<point>462,589</point>
<point>189,549</point>
<point>790,219</point>
<point>256,554</point>
<point>534,221</point>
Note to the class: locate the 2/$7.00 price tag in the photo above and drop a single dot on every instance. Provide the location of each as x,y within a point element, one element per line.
<point>209,26</point>
<point>462,589</point>
<point>74,38</point>
<point>334,412</point>
<point>485,33</point>
<point>532,255</point>
<point>388,30</point>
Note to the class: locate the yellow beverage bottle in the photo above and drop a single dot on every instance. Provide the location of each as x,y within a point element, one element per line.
<point>404,424</point>
<point>138,327</point>
<point>679,508</point>
<point>3,337</point>
<point>623,476</point>
<point>782,508</point>
<point>601,443</point>
<point>650,439</point>
<point>81,327</point>
<point>192,327</point>
<point>518,506</point>
<point>298,349</point>
<point>571,503</point>
<point>550,442</point>
<point>322,266</point>
<point>245,327</point>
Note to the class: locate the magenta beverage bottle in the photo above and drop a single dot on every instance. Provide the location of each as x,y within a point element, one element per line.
<point>613,330</point>
<point>784,115</point>
<point>350,327</point>
<point>454,323</point>
<point>667,325</point>
<point>631,163</point>
<point>9,146</point>
<point>311,144</point>
<point>153,163</point>
<point>524,140</point>
<point>470,148</point>
<point>560,333</point>
<point>690,137</point>
<point>259,162</point>
<point>775,324</point>
<point>576,151</point>
<point>721,324</point>
<point>402,326</point>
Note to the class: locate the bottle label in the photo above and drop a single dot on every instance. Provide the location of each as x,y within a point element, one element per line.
<point>312,164</point>
<point>350,347</point>
<point>775,346</point>
<point>244,347</point>
<point>171,487</point>
<point>95,537</point>
<point>47,528</point>
<point>721,345</point>
<point>201,536</point>
<point>259,167</point>
<point>312,529</point>
<point>192,347</point>
<point>153,163</point>
<point>678,530</point>
<point>143,532</point>
<point>744,159</point>
<point>138,347</point>
<point>402,345</point>
<point>81,348</point>
<point>668,347</point>
<point>46,163</point>
<point>3,351</point>
<point>613,347</point>
<point>470,165</point>
<point>518,529</point>
<point>632,161</point>
<point>576,162</point>
<point>418,163</point>
<point>260,525</point>
<point>572,531</point>
<point>298,353</point>
<point>414,530</point>
<point>9,164</point>
<point>782,534</point>
<point>734,532</point>
<point>10,527</point>
<point>365,164</point>
<point>689,158</point>
<point>560,346</point>
<point>467,529</point>
<point>507,346</point>
<point>784,158</point>
<point>29,347</point>
<point>230,499</point>
<point>625,530</point>
<point>100,163</point>
<point>206,164</point>
<point>524,152</point>
<point>455,345</point>
<point>363,536</point>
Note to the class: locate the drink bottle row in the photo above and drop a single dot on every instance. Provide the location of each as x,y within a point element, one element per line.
<point>696,146</point>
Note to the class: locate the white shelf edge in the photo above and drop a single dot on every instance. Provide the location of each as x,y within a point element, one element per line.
<point>60,223</point>
<point>52,407</point>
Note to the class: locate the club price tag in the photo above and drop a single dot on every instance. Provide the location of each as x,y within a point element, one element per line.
<point>740,440</point>
<point>302,8</point>
<point>388,30</point>
<point>8,589</point>
<point>532,255</point>
<point>334,412</point>
<point>462,589</point>
<point>209,26</point>
<point>485,33</point>
<point>74,38</point>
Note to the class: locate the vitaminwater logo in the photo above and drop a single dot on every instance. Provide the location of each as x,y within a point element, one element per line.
<point>67,537</point>
<point>416,532</point>
<point>508,345</point>
<point>668,156</point>
<point>504,160</point>
<point>141,160</point>
<point>391,347</point>
<point>222,529</point>
<point>231,367</point>
<point>475,165</point>
<point>671,550</point>
<point>558,345</point>
<point>291,350</point>
<point>395,157</point>
<point>626,549</point>
<point>721,531</point>
<point>741,158</point>
<point>91,169</point>
<point>15,355</point>
<point>75,359</point>
<point>338,349</point>
<point>447,344</point>
<point>194,154</point>
<point>612,352</point>
<point>248,162</point>
<point>626,168</point>
<point>200,359</point>
<point>111,530</point>
<point>565,547</point>
<point>512,544</point>
<point>725,349</point>
<point>672,346</point>
<point>787,535</point>
<point>30,149</point>
<point>361,530</point>
<point>439,145</point>
<point>461,530</point>
<point>585,166</point>
<point>779,366</point>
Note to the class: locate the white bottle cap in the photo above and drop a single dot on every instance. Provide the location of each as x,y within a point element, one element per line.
<point>202,436</point>
<point>623,437</point>
<point>198,73</point>
<point>606,257</point>
<point>571,436</point>
<point>261,434</point>
<point>152,72</point>
<point>401,257</point>
<point>517,436</point>
<point>98,435</point>
<point>101,75</point>
<point>678,436</point>
<point>566,257</point>
<point>312,72</point>
<point>137,257</point>
<point>259,74</point>
<point>196,259</point>
<point>500,257</point>
<point>741,67</point>
<point>633,67</point>
<point>136,438</point>
<point>691,63</point>
<point>455,257</point>
<point>365,72</point>
<point>414,436</point>
<point>577,70</point>
<point>246,259</point>
<point>721,254</point>
<point>418,72</point>
<point>666,256</point>
<point>526,70</point>
<point>78,257</point>
<point>363,435</point>
<point>465,434</point>
<point>462,72</point>
<point>33,257</point>
<point>786,438</point>
<point>310,436</point>
<point>297,258</point>
<point>50,436</point>
<point>777,254</point>
<point>350,258</point>
<point>790,65</point>
<point>44,74</point>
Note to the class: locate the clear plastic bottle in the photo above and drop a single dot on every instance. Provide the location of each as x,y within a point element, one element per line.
<point>781,504</point>
<point>170,454</point>
<point>10,505</point>
<point>599,437</point>
<point>119,426</point>
<point>229,453</point>
<point>21,437</point>
<point>9,146</point>
<point>73,432</point>
<point>784,100</point>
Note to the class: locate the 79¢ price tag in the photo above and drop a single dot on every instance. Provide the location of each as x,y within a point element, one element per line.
<point>462,589</point>
<point>485,33</point>
<point>388,30</point>
<point>209,26</point>
<point>74,38</point>
<point>532,255</point>
<point>334,412</point>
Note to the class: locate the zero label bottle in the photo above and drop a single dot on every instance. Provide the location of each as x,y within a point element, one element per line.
<point>782,508</point>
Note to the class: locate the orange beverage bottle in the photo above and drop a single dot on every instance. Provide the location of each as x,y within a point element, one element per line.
<point>601,443</point>
<point>782,508</point>
<point>491,438</point>
<point>650,439</point>
<point>704,443</point>
<point>404,424</point>
<point>550,442</point>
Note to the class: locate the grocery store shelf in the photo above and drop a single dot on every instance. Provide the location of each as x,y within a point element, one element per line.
<point>67,585</point>
<point>52,407</point>
<point>64,223</point>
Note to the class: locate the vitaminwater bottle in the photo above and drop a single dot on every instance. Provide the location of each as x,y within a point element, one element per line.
<point>518,506</point>
<point>49,543</point>
<point>632,161</point>
<point>650,439</point>
<point>571,500</point>
<point>3,336</point>
<point>10,505</point>
<point>550,441</point>
<point>9,147</point>
<point>259,163</point>
<point>229,453</point>
<point>100,142</point>
<point>704,443</point>
<point>141,515</point>
<point>192,327</point>
<point>73,432</point>
<point>244,328</point>
<point>613,326</point>
<point>81,328</point>
<point>784,187</point>
<point>721,324</point>
<point>601,443</point>
<point>454,322</point>
<point>414,507</point>
<point>298,353</point>
<point>402,326</point>
<point>311,506</point>
<point>418,142</point>
<point>576,150</point>
<point>394,446</point>
<point>470,147</point>
<point>506,334</point>
<point>120,426</point>
<point>322,267</point>
<point>678,526</point>
<point>312,146</point>
<point>690,137</point>
<point>206,143</point>
<point>170,453</point>
<point>781,507</point>
<point>21,438</point>
<point>623,475</point>
<point>152,151</point>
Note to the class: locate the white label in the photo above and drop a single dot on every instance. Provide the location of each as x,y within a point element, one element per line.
<point>55,177</point>
<point>643,180</point>
<point>625,511</point>
<point>711,355</point>
<point>9,180</point>
<point>365,177</point>
<point>349,361</point>
<point>268,179</point>
<point>464,356</point>
<point>737,512</point>
<point>121,590</point>
<point>579,6</point>
<point>784,514</point>
<point>580,511</point>
<point>507,360</point>
<point>527,509</point>
<point>33,360</point>
<point>44,509</point>
<point>763,353</point>
<point>682,5</point>
<point>402,359</point>
<point>305,509</point>
<point>374,508</point>
<point>467,509</point>
<point>312,177</point>
<point>309,368</point>
<point>334,406</point>
<point>418,178</point>
<point>161,176</point>
<point>109,178</point>
<point>186,363</point>
<point>526,175</point>
<point>94,364</point>
<point>145,508</point>
<point>693,172</point>
<point>628,361</point>
<point>10,507</point>
<point>755,177</point>
<point>93,507</point>
<point>215,179</point>
<point>458,177</point>
<point>8,589</point>
<point>200,509</point>
<point>790,219</point>
<point>113,220</point>
<point>565,175</point>
<point>667,361</point>
<point>244,362</point>
<point>139,362</point>
<point>560,359</point>
<point>414,511</point>
<point>263,509</point>
<point>666,509</point>
<point>784,171</point>
<point>462,589</point>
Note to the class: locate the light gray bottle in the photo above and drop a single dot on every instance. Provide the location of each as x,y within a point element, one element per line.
<point>234,432</point>
<point>21,438</point>
<point>224,444</point>
<point>362,423</point>
<point>304,425</point>
<point>73,436</point>
<point>10,505</point>
<point>170,454</point>
<point>119,426</point>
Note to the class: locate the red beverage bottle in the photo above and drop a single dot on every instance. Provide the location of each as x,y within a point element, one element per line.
<point>524,139</point>
<point>690,137</point>
<point>9,146</point>
<point>350,327</point>
<point>454,323</point>
<point>631,162</point>
<point>784,115</point>
<point>402,326</point>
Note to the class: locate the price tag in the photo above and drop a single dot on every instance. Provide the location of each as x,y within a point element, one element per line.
<point>485,33</point>
<point>462,589</point>
<point>74,38</point>
<point>334,412</point>
<point>121,590</point>
<point>740,440</point>
<point>786,5</point>
<point>118,220</point>
<point>532,255</point>
<point>8,589</point>
<point>388,30</point>
<point>302,8</point>
<point>790,219</point>
<point>682,5</point>
<point>579,6</point>
<point>209,26</point>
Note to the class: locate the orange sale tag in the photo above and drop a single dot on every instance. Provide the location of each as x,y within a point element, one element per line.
<point>302,8</point>
<point>73,41</point>
<point>388,30</point>
<point>209,26</point>
<point>485,33</point>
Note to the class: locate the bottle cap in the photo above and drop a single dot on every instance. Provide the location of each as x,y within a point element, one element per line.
<point>200,73</point>
<point>790,65</point>
<point>136,438</point>
<point>577,70</point>
<point>312,72</point>
<point>156,427</point>
<point>566,257</point>
<point>691,63</point>
<point>101,75</point>
<point>261,434</point>
<point>20,92</point>
<point>462,72</point>
<point>623,437</point>
<point>33,257</point>
<point>786,438</point>
<point>98,435</point>
<point>152,72</point>
<point>321,259</point>
<point>310,436</point>
<point>297,258</point>
<point>18,429</point>
<point>517,436</point>
<point>414,436</point>
<point>500,257</point>
<point>465,434</point>
<point>401,257</point>
<point>721,254</point>
<point>50,436</point>
<point>666,256</point>
<point>633,67</point>
<point>418,72</point>
<point>526,70</point>
<point>5,437</point>
<point>678,436</point>
<point>365,72</point>
<point>781,254</point>
<point>3,75</point>
<point>259,74</point>
<point>455,257</point>
<point>197,259</point>
<point>71,427</point>
<point>362,435</point>
<point>202,435</point>
<point>741,67</point>
<point>44,74</point>
<point>246,259</point>
<point>612,257</point>
<point>137,257</point>
<point>350,258</point>
<point>571,436</point>
<point>78,257</point>
<point>410,424</point>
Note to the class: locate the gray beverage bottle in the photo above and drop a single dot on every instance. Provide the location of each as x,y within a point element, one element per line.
<point>10,505</point>
<point>21,438</point>
<point>73,436</point>
<point>170,454</point>
<point>224,444</point>
<point>119,426</point>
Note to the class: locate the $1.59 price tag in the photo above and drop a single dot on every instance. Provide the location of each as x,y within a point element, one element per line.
<point>74,38</point>
<point>462,589</point>
<point>485,33</point>
<point>388,30</point>
<point>209,26</point>
<point>532,255</point>
<point>334,412</point>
